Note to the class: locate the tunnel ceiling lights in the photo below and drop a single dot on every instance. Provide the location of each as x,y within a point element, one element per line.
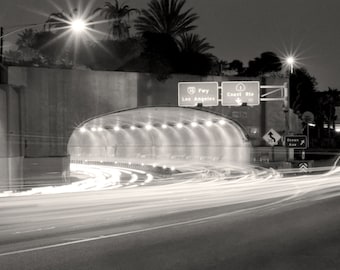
<point>148,127</point>
<point>194,124</point>
<point>179,125</point>
<point>222,122</point>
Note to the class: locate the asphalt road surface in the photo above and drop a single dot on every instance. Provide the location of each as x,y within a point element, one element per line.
<point>251,223</point>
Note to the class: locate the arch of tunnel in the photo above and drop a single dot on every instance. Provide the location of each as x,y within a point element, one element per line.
<point>171,134</point>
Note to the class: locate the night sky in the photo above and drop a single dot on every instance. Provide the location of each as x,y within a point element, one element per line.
<point>238,29</point>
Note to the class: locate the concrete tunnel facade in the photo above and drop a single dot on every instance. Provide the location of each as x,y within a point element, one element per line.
<point>152,134</point>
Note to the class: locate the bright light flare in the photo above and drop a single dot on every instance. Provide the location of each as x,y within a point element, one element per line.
<point>290,60</point>
<point>78,25</point>
<point>208,123</point>
<point>164,126</point>
<point>132,127</point>
<point>82,129</point>
<point>116,128</point>
<point>148,127</point>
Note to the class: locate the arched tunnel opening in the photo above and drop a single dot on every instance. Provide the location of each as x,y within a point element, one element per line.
<point>160,134</point>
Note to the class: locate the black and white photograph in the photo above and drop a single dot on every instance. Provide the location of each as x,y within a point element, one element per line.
<point>169,135</point>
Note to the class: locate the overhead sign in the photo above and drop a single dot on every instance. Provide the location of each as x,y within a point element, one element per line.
<point>272,137</point>
<point>236,93</point>
<point>296,141</point>
<point>190,94</point>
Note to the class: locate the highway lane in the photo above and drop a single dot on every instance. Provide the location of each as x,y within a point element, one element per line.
<point>256,223</point>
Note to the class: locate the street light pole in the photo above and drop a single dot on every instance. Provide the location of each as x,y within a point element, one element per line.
<point>1,45</point>
<point>290,61</point>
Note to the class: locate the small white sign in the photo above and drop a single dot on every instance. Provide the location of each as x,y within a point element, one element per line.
<point>272,137</point>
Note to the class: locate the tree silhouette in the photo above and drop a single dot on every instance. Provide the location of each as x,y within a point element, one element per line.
<point>302,88</point>
<point>236,65</point>
<point>193,43</point>
<point>24,43</point>
<point>194,57</point>
<point>59,21</point>
<point>325,111</point>
<point>166,17</point>
<point>267,62</point>
<point>117,15</point>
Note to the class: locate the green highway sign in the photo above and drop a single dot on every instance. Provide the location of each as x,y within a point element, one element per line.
<point>191,94</point>
<point>236,93</point>
<point>296,141</point>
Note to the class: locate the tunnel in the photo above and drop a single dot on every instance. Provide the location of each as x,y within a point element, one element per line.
<point>154,134</point>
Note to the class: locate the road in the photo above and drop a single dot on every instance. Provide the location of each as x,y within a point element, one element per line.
<point>251,223</point>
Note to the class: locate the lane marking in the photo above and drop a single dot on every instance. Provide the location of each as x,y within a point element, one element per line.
<point>189,222</point>
<point>35,230</point>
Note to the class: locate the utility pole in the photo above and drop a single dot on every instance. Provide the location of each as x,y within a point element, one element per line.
<point>1,53</point>
<point>1,45</point>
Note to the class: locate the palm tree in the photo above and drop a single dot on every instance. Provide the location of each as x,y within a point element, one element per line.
<point>57,21</point>
<point>194,57</point>
<point>166,17</point>
<point>117,14</point>
<point>25,38</point>
<point>193,43</point>
<point>24,43</point>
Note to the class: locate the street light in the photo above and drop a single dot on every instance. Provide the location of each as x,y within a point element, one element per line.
<point>78,25</point>
<point>290,61</point>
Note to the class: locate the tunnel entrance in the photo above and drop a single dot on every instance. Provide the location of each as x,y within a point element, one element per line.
<point>152,134</point>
